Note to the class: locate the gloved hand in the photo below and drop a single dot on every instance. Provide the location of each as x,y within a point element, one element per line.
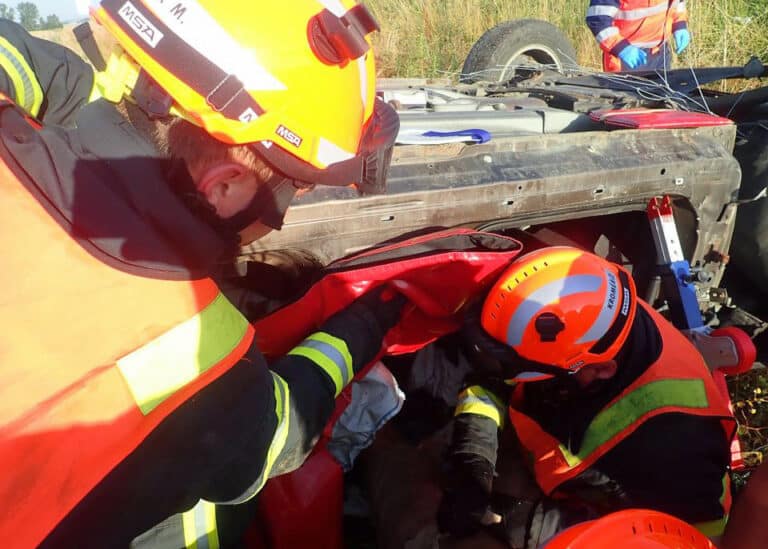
<point>521,520</point>
<point>365,321</point>
<point>465,505</point>
<point>682,39</point>
<point>489,357</point>
<point>633,57</point>
<point>385,305</point>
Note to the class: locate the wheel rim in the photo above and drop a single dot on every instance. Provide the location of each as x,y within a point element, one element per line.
<point>532,54</point>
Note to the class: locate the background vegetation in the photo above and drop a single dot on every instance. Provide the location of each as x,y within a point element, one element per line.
<point>28,15</point>
<point>431,38</point>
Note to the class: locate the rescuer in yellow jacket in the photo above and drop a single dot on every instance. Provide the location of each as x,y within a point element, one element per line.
<point>612,406</point>
<point>131,386</point>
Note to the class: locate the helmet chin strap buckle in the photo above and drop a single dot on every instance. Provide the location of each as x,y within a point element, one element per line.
<point>151,98</point>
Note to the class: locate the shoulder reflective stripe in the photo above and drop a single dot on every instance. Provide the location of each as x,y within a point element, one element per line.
<point>283,413</point>
<point>28,93</point>
<point>478,401</point>
<point>163,366</point>
<point>642,13</point>
<point>605,11</point>
<point>331,354</point>
<point>684,393</point>
<point>558,289</point>
<point>712,528</point>
<point>200,530</point>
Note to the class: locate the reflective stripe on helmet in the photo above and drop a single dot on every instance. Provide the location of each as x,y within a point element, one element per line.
<point>190,22</point>
<point>627,305</point>
<point>611,303</point>
<point>223,91</point>
<point>558,289</point>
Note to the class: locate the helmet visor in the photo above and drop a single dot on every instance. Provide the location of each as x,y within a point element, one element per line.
<point>367,171</point>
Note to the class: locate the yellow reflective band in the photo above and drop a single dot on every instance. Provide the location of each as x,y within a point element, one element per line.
<point>163,366</point>
<point>682,393</point>
<point>712,528</point>
<point>481,402</point>
<point>28,94</point>
<point>331,354</point>
<point>283,413</point>
<point>200,531</point>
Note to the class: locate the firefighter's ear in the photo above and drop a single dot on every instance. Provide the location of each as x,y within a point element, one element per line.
<point>227,186</point>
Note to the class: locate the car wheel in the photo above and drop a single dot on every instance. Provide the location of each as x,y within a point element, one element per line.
<point>750,240</point>
<point>521,42</point>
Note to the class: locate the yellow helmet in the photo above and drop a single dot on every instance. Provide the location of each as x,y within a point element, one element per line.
<point>295,80</point>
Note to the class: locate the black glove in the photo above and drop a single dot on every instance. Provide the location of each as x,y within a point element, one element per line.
<point>467,495</point>
<point>365,321</point>
<point>384,303</point>
<point>517,516</point>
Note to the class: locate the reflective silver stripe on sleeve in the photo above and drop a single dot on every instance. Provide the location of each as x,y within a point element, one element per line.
<point>332,353</point>
<point>601,11</point>
<point>28,91</point>
<point>605,34</point>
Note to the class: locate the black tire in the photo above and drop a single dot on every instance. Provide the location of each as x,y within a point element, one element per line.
<point>517,42</point>
<point>749,249</point>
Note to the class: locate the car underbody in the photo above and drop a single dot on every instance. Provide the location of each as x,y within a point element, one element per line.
<point>554,170</point>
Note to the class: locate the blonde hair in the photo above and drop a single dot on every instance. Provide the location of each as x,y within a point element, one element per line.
<point>178,138</point>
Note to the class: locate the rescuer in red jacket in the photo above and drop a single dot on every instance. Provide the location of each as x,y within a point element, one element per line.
<point>633,34</point>
<point>612,406</point>
<point>131,386</point>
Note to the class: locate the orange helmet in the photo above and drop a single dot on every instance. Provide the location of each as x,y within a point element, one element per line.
<point>296,81</point>
<point>561,308</point>
<point>632,529</point>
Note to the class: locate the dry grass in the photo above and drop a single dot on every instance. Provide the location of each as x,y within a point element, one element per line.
<point>431,38</point>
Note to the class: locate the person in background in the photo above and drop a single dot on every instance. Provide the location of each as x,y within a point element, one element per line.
<point>634,34</point>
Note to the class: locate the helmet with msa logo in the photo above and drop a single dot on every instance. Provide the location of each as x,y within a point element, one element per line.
<point>295,81</point>
<point>560,309</point>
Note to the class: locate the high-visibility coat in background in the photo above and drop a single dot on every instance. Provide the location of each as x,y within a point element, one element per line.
<point>678,382</point>
<point>646,24</point>
<point>93,359</point>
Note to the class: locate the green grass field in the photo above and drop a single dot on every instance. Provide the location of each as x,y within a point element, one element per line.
<point>431,38</point>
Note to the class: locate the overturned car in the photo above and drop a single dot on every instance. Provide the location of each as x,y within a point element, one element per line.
<point>559,156</point>
<point>527,148</point>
